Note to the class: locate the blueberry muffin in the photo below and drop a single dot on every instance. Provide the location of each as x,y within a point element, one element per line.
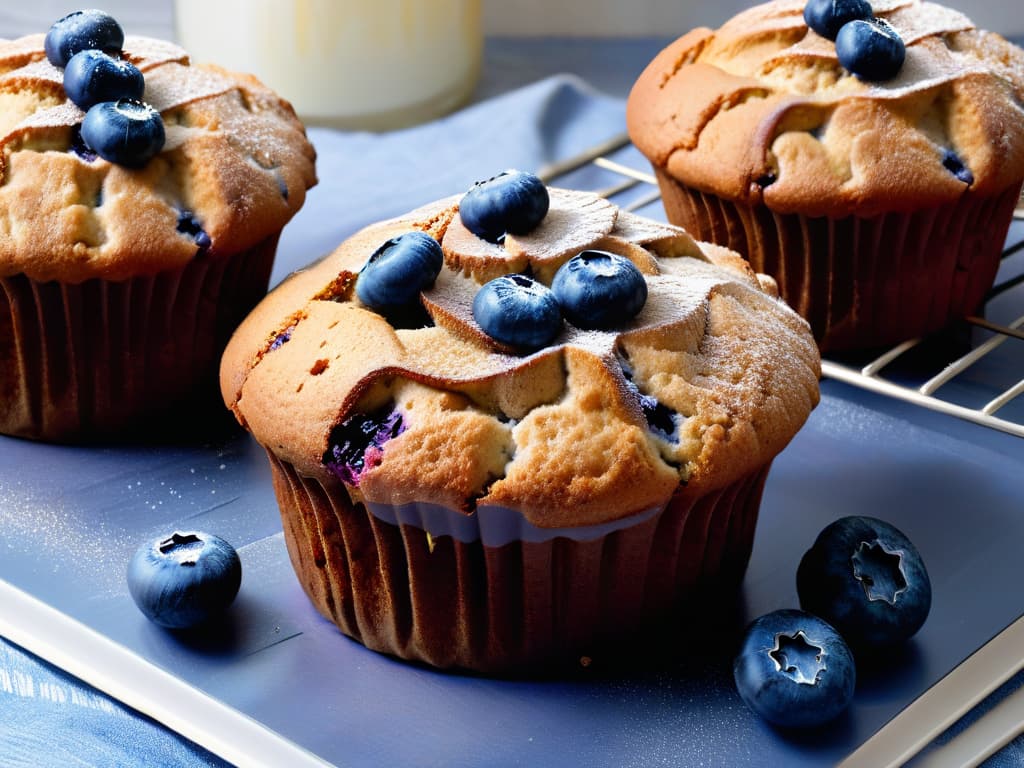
<point>868,156</point>
<point>503,436</point>
<point>141,199</point>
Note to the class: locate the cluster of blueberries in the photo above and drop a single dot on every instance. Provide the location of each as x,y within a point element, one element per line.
<point>866,46</point>
<point>118,126</point>
<point>592,290</point>
<point>863,588</point>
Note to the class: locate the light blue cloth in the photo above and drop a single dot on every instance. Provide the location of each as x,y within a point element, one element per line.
<point>50,719</point>
<point>366,177</point>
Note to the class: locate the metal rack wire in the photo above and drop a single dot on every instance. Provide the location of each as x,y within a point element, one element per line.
<point>923,390</point>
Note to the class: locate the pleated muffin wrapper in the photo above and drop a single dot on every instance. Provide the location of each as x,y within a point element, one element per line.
<point>100,359</point>
<point>491,592</point>
<point>861,282</point>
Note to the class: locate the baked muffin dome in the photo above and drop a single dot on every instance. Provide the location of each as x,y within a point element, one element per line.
<point>560,434</point>
<point>235,165</point>
<point>880,207</point>
<point>448,499</point>
<point>771,116</point>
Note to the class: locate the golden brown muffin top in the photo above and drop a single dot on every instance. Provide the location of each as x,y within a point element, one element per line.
<point>236,164</point>
<point>761,111</point>
<point>559,434</point>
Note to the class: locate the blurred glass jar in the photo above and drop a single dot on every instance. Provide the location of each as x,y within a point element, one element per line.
<point>355,64</point>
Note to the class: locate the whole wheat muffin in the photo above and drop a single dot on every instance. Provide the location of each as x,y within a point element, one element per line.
<point>880,207</point>
<point>119,286</point>
<point>449,500</point>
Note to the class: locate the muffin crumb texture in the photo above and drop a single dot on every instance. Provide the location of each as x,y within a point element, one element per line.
<point>710,381</point>
<point>235,168</point>
<point>760,110</point>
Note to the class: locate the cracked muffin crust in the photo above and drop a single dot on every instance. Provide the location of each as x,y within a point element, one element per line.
<point>761,141</point>
<point>559,435</point>
<point>236,165</point>
<point>387,439</point>
<point>761,111</point>
<point>120,286</point>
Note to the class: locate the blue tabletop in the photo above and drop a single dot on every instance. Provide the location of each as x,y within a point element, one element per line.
<point>70,517</point>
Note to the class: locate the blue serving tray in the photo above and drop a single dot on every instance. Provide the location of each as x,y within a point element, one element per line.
<point>70,518</point>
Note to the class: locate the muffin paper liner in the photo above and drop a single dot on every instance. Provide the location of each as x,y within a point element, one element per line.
<point>393,581</point>
<point>861,282</point>
<point>99,358</point>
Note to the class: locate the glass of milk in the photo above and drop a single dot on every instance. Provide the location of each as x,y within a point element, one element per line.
<point>354,64</point>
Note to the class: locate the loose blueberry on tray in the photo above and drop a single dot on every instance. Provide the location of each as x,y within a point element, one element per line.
<point>827,17</point>
<point>599,290</point>
<point>864,577</point>
<point>184,580</point>
<point>512,202</point>
<point>82,31</point>
<point>794,670</point>
<point>518,311</point>
<point>872,50</point>
<point>397,271</point>
<point>93,76</point>
<point>124,132</point>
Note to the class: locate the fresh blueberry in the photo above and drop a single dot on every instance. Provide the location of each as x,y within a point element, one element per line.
<point>661,419</point>
<point>185,579</point>
<point>599,290</point>
<point>518,311</point>
<point>79,147</point>
<point>951,162</point>
<point>827,17</point>
<point>82,31</point>
<point>93,76</point>
<point>189,225</point>
<point>864,577</point>
<point>397,271</point>
<point>281,339</point>
<point>124,132</point>
<point>794,669</point>
<point>357,443</point>
<point>282,184</point>
<point>872,50</point>
<point>512,202</point>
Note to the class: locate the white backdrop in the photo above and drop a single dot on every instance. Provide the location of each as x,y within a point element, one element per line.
<point>665,18</point>
<point>674,17</point>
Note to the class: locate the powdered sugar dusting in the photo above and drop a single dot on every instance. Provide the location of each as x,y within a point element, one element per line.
<point>39,71</point>
<point>147,53</point>
<point>68,544</point>
<point>173,85</point>
<point>24,48</point>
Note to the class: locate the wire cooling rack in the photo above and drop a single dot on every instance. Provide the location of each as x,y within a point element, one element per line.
<point>973,370</point>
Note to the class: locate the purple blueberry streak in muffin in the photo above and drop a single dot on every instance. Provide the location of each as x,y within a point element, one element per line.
<point>357,444</point>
